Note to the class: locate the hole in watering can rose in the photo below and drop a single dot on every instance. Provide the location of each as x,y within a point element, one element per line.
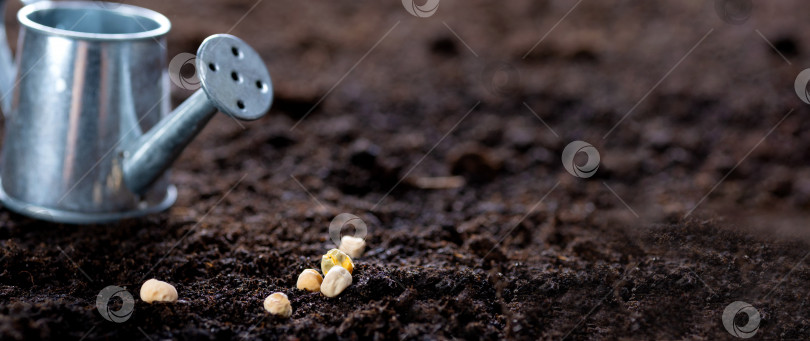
<point>236,52</point>
<point>235,76</point>
<point>213,67</point>
<point>240,104</point>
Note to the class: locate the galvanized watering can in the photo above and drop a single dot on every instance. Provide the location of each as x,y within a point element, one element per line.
<point>88,132</point>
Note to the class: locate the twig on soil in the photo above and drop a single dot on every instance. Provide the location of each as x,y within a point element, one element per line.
<point>439,182</point>
<point>426,154</point>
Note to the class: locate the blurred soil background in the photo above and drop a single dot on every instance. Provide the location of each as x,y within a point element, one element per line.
<point>701,198</point>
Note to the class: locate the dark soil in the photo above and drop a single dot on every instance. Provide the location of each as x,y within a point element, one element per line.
<point>523,249</point>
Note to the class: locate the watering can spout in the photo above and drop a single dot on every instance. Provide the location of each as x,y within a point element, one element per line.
<point>234,81</point>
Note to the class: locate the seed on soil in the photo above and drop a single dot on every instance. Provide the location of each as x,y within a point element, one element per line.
<point>352,246</point>
<point>278,304</point>
<point>336,281</point>
<point>309,280</point>
<point>336,257</point>
<point>158,291</point>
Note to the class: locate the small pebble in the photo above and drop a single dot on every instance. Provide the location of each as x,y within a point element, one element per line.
<point>336,257</point>
<point>158,291</point>
<point>309,280</point>
<point>352,246</point>
<point>278,304</point>
<point>475,163</point>
<point>364,153</point>
<point>337,280</point>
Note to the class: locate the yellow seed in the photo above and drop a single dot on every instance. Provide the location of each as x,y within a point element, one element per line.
<point>336,257</point>
<point>336,281</point>
<point>278,304</point>
<point>352,246</point>
<point>309,280</point>
<point>158,291</point>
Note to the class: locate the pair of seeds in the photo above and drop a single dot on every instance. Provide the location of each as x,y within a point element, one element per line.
<point>158,291</point>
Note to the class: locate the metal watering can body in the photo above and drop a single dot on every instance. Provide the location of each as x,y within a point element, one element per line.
<point>88,131</point>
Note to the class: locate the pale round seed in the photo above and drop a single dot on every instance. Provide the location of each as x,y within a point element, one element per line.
<point>309,280</point>
<point>278,304</point>
<point>158,291</point>
<point>336,280</point>
<point>352,246</point>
